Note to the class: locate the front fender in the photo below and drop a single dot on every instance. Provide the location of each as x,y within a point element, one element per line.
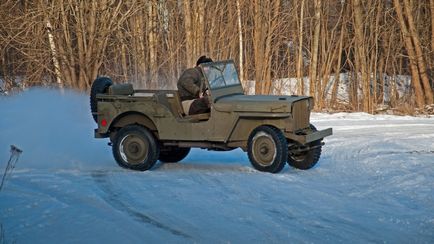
<point>245,126</point>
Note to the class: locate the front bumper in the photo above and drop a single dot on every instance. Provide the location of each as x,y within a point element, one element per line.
<point>314,136</point>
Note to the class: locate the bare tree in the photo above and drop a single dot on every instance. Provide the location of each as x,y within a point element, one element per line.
<point>240,41</point>
<point>421,64</point>
<point>315,49</point>
<point>300,62</point>
<point>419,94</point>
<point>360,51</point>
<point>151,42</point>
<point>432,24</point>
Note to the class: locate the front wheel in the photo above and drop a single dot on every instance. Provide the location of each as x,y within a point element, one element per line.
<point>267,149</point>
<point>134,147</point>
<point>305,157</point>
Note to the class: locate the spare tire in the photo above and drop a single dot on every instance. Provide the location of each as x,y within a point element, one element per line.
<point>100,85</point>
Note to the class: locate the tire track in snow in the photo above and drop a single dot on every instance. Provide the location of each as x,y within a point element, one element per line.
<point>113,198</point>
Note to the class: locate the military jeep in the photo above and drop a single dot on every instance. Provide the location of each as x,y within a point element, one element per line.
<point>149,125</point>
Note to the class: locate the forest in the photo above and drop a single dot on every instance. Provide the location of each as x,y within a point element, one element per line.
<point>68,43</point>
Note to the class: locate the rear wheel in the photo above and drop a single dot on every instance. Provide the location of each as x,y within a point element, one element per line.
<point>100,85</point>
<point>173,154</point>
<point>267,149</point>
<point>301,158</point>
<point>134,147</point>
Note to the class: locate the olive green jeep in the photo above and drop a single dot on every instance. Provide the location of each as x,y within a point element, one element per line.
<point>149,125</point>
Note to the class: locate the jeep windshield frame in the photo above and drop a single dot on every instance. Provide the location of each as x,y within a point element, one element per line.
<point>222,79</point>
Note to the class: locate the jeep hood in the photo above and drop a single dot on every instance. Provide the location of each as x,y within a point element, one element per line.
<point>257,103</point>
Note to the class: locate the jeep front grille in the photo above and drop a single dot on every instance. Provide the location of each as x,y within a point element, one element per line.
<point>301,114</point>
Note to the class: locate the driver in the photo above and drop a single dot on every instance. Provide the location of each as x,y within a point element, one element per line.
<point>191,89</point>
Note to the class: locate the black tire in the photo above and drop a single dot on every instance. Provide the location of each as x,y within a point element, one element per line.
<point>173,154</point>
<point>134,147</point>
<point>99,85</point>
<point>307,159</point>
<point>267,149</point>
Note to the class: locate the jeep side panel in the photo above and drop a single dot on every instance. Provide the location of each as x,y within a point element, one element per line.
<point>120,112</point>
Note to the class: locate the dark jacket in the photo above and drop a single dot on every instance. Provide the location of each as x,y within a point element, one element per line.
<point>190,83</point>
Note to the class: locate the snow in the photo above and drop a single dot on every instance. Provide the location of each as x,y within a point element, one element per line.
<point>396,85</point>
<point>374,183</point>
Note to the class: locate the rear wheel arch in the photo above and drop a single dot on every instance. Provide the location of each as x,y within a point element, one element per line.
<point>133,118</point>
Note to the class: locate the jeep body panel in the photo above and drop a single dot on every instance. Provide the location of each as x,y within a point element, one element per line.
<point>232,118</point>
<point>229,125</point>
<point>149,125</point>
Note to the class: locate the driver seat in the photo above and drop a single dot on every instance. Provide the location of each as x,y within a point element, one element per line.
<point>183,106</point>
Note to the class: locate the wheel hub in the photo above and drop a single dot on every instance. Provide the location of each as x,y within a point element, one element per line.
<point>264,149</point>
<point>133,149</point>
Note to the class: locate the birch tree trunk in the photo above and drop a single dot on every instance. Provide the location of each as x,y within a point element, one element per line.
<point>240,43</point>
<point>315,51</point>
<point>300,62</point>
<point>338,67</point>
<point>54,54</point>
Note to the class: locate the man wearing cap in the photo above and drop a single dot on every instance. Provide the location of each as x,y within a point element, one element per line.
<point>191,89</point>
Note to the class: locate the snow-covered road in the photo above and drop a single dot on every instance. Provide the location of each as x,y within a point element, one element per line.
<point>374,183</point>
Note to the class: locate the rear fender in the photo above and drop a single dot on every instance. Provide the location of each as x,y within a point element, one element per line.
<point>131,118</point>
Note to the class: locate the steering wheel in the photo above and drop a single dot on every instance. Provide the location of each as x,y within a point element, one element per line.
<point>205,92</point>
